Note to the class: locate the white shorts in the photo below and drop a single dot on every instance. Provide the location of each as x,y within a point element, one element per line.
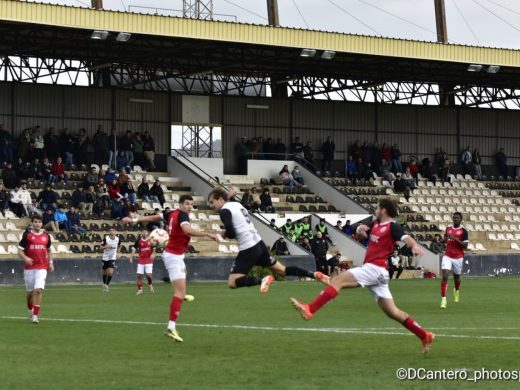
<point>454,265</point>
<point>175,266</point>
<point>375,278</point>
<point>34,279</point>
<point>144,268</point>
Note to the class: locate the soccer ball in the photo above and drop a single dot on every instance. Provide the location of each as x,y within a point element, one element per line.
<point>159,237</point>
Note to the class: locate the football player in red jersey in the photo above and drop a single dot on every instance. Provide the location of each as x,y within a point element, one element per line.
<point>144,262</point>
<point>180,232</point>
<point>456,237</point>
<point>34,250</point>
<point>382,236</point>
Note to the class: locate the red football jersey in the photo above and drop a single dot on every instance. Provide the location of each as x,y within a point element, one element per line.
<point>178,241</point>
<point>145,249</point>
<point>382,237</point>
<point>453,248</point>
<point>35,246</point>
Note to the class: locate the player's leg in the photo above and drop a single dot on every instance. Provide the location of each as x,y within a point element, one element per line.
<point>283,270</point>
<point>243,263</point>
<point>28,277</point>
<point>37,294</point>
<point>392,311</point>
<point>176,268</point>
<point>30,304</point>
<point>457,271</point>
<point>139,283</point>
<point>104,274</point>
<point>445,271</point>
<point>148,269</point>
<point>110,272</point>
<point>343,280</point>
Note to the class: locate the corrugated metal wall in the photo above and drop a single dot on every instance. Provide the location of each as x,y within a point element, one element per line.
<point>417,130</point>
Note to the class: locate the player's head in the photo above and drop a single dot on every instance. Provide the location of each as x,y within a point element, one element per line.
<point>36,222</point>
<point>112,231</point>
<point>386,209</point>
<point>457,218</point>
<point>186,203</point>
<point>217,198</point>
<point>144,233</point>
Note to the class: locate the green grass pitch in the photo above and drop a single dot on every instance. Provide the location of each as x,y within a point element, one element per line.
<point>240,339</point>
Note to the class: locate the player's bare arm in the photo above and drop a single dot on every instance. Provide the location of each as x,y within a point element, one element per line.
<point>362,232</point>
<point>187,229</point>
<point>412,244</point>
<point>51,263</point>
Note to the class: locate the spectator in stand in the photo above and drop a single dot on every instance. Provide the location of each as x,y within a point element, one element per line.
<point>402,186</point>
<point>428,172</point>
<point>9,176</point>
<point>113,145</point>
<point>361,168</point>
<point>102,196</point>
<point>15,201</point>
<point>252,145</point>
<point>75,222</point>
<point>297,175</point>
<point>149,151</point>
<point>138,149</point>
<point>22,170</point>
<point>351,168</point>
<point>243,155</point>
<point>366,152</point>
<point>48,198</point>
<point>377,156</point>
<point>333,264</point>
<point>347,229</point>
<point>297,149</point>
<point>260,149</point>
<point>91,198</point>
<point>305,244</point>
<point>476,161</point>
<point>322,228</point>
<point>269,149</point>
<point>143,192</point>
<point>396,159</point>
<point>91,178</point>
<point>407,257</point>
<point>46,167</point>
<point>36,169</point>
<point>437,245</point>
<point>33,209</point>
<point>445,168</point>
<point>128,191</point>
<point>68,144</point>
<point>266,202</point>
<point>308,155</point>
<point>502,163</point>
<point>466,159</point>
<point>355,150</point>
<point>248,203</point>
<point>48,221</point>
<point>110,175</point>
<point>386,151</point>
<point>60,216</point>
<point>52,144</point>
<point>286,177</point>
<point>413,168</point>
<point>4,198</point>
<point>339,226</point>
<point>328,148</point>
<point>157,224</point>
<point>24,144</point>
<point>114,191</point>
<point>25,197</point>
<point>166,213</point>
<point>6,145</point>
<point>273,226</point>
<point>79,200</point>
<point>122,177</point>
<point>281,149</point>
<point>100,145</point>
<point>280,247</point>
<point>121,161</point>
<point>409,178</point>
<point>439,157</point>
<point>386,172</point>
<point>394,265</point>
<point>38,143</point>
<point>58,172</point>
<point>286,228</point>
<point>319,248</point>
<point>158,192</point>
<point>126,145</point>
<point>83,144</point>
<point>368,172</point>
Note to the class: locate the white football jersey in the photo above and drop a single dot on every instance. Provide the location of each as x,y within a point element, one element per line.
<point>110,252</point>
<point>245,232</point>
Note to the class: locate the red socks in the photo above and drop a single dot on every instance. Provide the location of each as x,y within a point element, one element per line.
<point>444,287</point>
<point>139,285</point>
<point>36,310</point>
<point>414,327</point>
<point>325,297</point>
<point>149,279</point>
<point>30,305</point>
<point>175,308</point>
<point>457,285</point>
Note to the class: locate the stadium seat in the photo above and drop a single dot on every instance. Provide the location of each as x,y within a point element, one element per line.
<point>12,249</point>
<point>303,208</point>
<point>223,249</point>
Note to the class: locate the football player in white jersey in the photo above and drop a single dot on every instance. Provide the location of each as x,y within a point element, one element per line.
<point>252,250</point>
<point>110,246</point>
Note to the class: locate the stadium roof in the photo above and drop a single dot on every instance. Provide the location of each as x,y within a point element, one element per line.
<point>191,46</point>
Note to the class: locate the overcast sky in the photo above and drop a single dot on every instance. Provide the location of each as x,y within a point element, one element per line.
<point>502,30</point>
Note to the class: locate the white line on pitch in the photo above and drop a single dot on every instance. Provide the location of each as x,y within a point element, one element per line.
<point>270,328</point>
